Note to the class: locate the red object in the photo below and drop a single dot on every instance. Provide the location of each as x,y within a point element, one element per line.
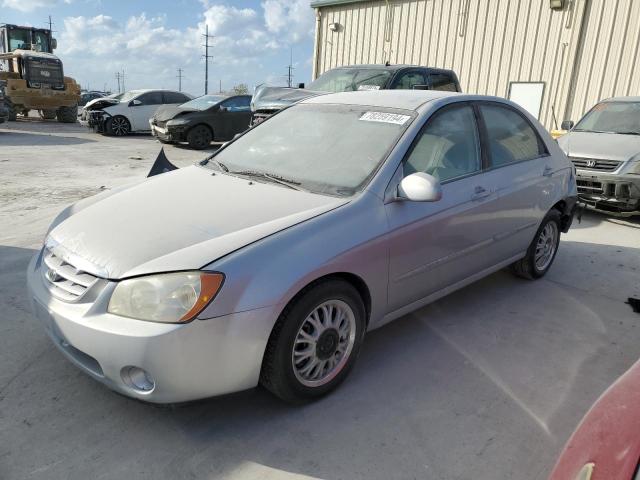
<point>608,436</point>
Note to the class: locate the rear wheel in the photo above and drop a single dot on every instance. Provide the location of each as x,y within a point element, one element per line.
<point>199,137</point>
<point>47,114</point>
<point>315,342</point>
<point>543,249</point>
<point>67,114</point>
<point>118,126</point>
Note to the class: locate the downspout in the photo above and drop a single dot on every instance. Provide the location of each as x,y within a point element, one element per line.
<point>586,13</point>
<point>316,51</point>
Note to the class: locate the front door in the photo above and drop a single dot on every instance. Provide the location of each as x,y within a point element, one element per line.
<point>437,244</point>
<point>139,115</point>
<point>234,117</point>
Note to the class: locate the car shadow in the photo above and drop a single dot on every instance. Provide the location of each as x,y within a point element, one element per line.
<point>13,138</point>
<point>489,380</point>
<point>592,218</point>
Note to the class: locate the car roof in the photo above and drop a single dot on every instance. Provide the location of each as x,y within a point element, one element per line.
<point>622,99</point>
<point>403,99</point>
<point>392,67</point>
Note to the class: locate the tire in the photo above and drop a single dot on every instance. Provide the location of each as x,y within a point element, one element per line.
<point>118,126</point>
<point>47,114</point>
<point>67,114</point>
<point>199,137</point>
<point>166,142</point>
<point>320,365</point>
<point>13,113</point>
<point>543,249</point>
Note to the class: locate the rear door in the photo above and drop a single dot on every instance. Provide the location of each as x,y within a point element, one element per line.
<point>412,79</point>
<point>139,115</point>
<point>520,168</point>
<point>434,245</point>
<point>443,81</point>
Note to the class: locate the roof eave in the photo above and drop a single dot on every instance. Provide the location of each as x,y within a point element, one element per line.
<point>326,3</point>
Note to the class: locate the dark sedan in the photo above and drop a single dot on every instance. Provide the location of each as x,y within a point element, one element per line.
<point>202,120</point>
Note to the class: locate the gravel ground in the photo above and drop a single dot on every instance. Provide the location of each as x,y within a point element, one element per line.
<point>485,384</point>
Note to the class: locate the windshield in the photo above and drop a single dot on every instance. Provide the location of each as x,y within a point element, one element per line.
<point>19,38</point>
<point>204,102</point>
<point>307,144</point>
<point>350,79</point>
<point>612,117</point>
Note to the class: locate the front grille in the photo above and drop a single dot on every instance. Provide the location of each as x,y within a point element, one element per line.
<point>585,186</point>
<point>595,164</point>
<point>65,281</point>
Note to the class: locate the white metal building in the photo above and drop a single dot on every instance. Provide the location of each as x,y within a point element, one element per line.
<point>555,57</point>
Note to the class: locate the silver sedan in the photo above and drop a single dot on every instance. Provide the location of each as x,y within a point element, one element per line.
<point>268,261</point>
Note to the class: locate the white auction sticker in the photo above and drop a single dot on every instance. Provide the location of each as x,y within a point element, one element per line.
<point>368,87</point>
<point>385,117</point>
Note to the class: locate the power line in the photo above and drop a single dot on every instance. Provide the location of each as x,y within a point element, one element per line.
<point>180,79</point>
<point>206,58</point>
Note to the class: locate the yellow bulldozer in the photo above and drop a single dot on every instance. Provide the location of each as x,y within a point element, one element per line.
<point>32,77</point>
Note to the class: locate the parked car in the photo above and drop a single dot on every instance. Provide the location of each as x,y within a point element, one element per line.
<point>4,111</point>
<point>202,120</point>
<point>269,260</point>
<point>606,445</point>
<point>129,112</point>
<point>605,148</point>
<point>268,100</point>
<point>88,96</point>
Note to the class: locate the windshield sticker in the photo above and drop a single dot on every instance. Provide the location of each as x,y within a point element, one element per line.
<point>385,117</point>
<point>368,87</point>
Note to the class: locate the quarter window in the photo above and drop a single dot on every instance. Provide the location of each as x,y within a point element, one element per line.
<point>510,136</point>
<point>448,147</point>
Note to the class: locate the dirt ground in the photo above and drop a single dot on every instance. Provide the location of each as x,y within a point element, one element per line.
<point>485,384</point>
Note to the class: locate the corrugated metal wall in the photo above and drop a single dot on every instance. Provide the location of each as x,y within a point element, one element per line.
<point>490,43</point>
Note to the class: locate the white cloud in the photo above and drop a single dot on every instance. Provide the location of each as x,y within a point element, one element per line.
<point>244,39</point>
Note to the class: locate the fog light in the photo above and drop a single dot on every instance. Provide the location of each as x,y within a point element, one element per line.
<point>138,379</point>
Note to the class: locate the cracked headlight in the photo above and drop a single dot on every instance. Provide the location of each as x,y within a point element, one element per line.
<point>167,298</point>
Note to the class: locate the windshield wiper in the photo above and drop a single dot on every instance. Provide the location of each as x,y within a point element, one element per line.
<point>218,164</point>
<point>628,133</point>
<point>269,176</point>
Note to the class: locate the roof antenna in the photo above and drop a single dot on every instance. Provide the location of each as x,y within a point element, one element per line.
<point>387,63</point>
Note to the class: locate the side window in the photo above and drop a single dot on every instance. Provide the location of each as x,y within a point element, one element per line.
<point>151,98</point>
<point>174,97</point>
<point>441,81</point>
<point>511,138</point>
<point>409,80</point>
<point>448,146</point>
<point>238,104</point>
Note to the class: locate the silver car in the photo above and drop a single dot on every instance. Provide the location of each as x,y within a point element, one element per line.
<point>605,148</point>
<point>268,261</point>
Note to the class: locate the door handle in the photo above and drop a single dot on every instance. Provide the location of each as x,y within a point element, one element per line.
<point>547,172</point>
<point>479,193</point>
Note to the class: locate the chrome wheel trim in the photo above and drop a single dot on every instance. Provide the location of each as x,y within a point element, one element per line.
<point>120,126</point>
<point>546,246</point>
<point>329,319</point>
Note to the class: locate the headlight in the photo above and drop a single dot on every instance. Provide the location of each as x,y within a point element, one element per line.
<point>167,298</point>
<point>176,122</point>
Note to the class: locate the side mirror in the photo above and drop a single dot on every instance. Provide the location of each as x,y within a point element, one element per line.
<point>135,103</point>
<point>54,44</point>
<point>420,187</point>
<point>301,85</point>
<point>567,125</point>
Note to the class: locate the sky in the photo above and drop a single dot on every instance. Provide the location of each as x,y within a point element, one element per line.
<point>150,39</point>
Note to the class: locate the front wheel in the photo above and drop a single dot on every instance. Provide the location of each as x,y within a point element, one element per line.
<point>67,114</point>
<point>118,126</point>
<point>199,137</point>
<point>543,249</point>
<point>315,342</point>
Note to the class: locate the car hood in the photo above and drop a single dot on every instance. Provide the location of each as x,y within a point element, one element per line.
<point>167,112</point>
<point>180,220</point>
<point>276,98</point>
<point>98,103</point>
<point>609,146</point>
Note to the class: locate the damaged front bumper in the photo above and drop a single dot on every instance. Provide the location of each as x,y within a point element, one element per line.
<point>615,194</point>
<point>168,133</point>
<point>95,120</point>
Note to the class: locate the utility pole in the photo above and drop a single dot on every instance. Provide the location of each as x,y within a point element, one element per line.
<point>220,86</point>
<point>290,69</point>
<point>50,24</point>
<point>180,79</point>
<point>122,76</point>
<point>118,78</point>
<point>206,58</point>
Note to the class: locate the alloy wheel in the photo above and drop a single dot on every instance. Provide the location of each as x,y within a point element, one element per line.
<point>546,246</point>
